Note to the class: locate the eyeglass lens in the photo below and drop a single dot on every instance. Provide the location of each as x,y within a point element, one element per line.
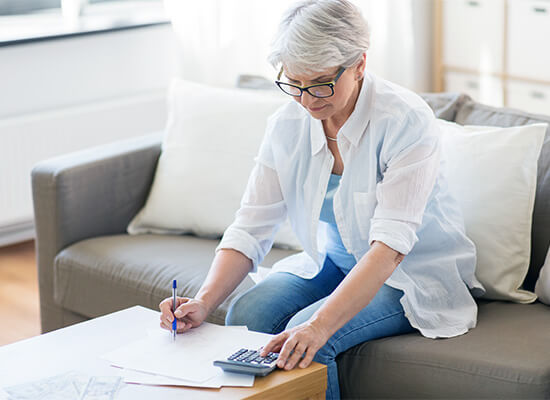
<point>317,91</point>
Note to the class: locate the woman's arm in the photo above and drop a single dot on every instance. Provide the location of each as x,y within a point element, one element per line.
<point>357,289</point>
<point>243,246</point>
<point>228,269</point>
<point>353,294</point>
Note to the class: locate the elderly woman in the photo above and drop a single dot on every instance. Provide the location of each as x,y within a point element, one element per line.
<point>355,163</point>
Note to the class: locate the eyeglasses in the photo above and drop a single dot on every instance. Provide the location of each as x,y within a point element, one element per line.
<point>318,90</point>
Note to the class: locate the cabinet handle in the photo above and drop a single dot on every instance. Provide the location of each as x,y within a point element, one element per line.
<point>473,3</point>
<point>537,95</point>
<point>539,10</point>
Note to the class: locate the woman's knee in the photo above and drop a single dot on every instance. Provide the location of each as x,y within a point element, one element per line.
<point>252,310</point>
<point>326,354</point>
<point>240,312</point>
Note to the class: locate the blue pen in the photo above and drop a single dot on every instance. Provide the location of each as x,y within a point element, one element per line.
<point>175,321</point>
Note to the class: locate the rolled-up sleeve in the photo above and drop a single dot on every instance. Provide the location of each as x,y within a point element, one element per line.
<point>412,158</point>
<point>261,213</point>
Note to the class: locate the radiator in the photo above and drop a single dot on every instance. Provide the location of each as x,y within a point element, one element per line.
<point>28,139</point>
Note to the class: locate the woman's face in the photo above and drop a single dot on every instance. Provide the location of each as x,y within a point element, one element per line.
<point>345,95</point>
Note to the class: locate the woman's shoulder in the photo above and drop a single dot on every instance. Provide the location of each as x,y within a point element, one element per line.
<point>287,120</point>
<point>288,112</point>
<point>288,129</point>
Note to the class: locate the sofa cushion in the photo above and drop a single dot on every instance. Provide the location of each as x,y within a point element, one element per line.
<point>506,356</point>
<point>492,172</point>
<point>211,139</point>
<point>445,105</point>
<point>104,274</point>
<point>473,113</point>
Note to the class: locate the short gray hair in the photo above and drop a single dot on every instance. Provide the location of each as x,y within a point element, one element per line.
<point>315,35</point>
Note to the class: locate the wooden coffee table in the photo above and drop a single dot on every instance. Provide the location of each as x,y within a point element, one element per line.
<point>80,346</point>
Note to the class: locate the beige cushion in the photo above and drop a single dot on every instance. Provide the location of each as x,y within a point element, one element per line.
<point>211,139</point>
<point>493,173</point>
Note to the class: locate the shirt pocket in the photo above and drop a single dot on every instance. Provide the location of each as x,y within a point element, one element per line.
<point>365,203</point>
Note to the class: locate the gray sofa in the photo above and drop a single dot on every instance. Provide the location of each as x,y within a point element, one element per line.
<point>89,266</point>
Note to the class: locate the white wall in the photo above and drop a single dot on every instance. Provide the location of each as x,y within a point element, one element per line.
<point>52,74</point>
<point>64,95</point>
<point>401,41</point>
<point>224,38</point>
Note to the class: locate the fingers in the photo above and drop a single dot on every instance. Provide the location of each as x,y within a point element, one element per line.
<point>300,343</point>
<point>165,306</point>
<point>284,355</point>
<point>274,344</point>
<point>182,326</point>
<point>184,308</point>
<point>308,358</point>
<point>296,356</point>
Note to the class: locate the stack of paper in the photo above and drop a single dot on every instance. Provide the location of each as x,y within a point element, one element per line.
<point>158,360</point>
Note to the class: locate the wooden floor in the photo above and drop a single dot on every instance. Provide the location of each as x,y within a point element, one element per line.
<point>19,306</point>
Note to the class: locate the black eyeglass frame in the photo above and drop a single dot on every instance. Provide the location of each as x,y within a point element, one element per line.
<point>303,89</point>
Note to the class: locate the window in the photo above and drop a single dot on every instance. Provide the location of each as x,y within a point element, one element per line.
<point>13,7</point>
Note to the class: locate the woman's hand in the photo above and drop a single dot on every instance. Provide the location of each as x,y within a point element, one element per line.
<point>190,313</point>
<point>306,338</point>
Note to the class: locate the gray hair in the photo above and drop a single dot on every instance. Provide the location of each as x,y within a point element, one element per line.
<point>315,35</point>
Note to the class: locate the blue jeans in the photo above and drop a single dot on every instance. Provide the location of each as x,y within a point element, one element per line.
<point>283,300</point>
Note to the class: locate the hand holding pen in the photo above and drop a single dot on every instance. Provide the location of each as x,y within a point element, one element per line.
<point>179,314</point>
<point>174,301</point>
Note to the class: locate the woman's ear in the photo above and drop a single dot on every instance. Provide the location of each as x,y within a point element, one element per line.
<point>359,69</point>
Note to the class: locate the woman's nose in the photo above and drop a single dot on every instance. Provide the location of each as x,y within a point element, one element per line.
<point>306,99</point>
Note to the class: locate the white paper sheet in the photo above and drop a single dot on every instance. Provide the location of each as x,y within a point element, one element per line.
<point>191,356</point>
<point>220,379</point>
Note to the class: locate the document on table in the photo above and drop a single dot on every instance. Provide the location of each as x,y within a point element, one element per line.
<point>191,356</point>
<point>68,386</point>
<point>221,378</point>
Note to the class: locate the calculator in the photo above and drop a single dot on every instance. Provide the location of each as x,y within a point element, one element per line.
<point>246,361</point>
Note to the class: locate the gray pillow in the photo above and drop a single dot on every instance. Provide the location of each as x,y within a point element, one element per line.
<point>473,113</point>
<point>445,105</point>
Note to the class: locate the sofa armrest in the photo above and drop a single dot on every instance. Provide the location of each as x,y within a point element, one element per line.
<point>93,192</point>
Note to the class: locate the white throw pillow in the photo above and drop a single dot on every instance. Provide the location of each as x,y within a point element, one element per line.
<point>493,173</point>
<point>211,139</point>
<point>542,287</point>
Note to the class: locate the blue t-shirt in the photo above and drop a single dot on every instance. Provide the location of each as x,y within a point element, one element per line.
<point>335,247</point>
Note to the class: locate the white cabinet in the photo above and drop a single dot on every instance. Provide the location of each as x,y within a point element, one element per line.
<point>484,88</point>
<point>531,97</point>
<point>528,53</point>
<point>497,51</point>
<point>473,34</point>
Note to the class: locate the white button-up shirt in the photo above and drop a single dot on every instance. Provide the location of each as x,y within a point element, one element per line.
<point>393,189</point>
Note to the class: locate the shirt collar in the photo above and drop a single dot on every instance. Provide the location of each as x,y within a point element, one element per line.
<point>355,125</point>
